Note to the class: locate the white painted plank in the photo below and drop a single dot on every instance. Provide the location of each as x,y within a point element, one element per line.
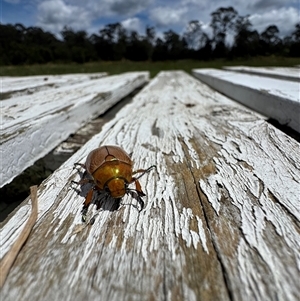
<point>220,221</point>
<point>32,125</point>
<point>30,84</point>
<point>285,73</point>
<point>277,99</point>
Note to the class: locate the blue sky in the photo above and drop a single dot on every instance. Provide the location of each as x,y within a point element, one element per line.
<point>92,15</point>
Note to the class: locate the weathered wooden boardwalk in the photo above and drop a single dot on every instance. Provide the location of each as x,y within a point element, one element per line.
<point>12,86</point>
<point>290,74</point>
<point>221,217</point>
<point>275,98</point>
<point>33,124</point>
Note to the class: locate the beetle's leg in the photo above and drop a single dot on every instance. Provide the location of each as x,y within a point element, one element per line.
<point>135,179</point>
<point>83,214</point>
<point>138,187</point>
<point>141,202</point>
<point>139,193</point>
<point>88,198</point>
<point>143,171</point>
<point>83,181</point>
<point>80,164</point>
<point>86,204</point>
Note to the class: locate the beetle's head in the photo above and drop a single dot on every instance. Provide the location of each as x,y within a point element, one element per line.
<point>117,188</point>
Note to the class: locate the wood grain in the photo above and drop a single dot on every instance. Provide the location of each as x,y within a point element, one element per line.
<point>220,219</point>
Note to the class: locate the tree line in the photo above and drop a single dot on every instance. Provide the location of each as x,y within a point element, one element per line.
<point>31,45</point>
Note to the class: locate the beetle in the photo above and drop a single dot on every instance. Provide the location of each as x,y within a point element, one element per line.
<point>110,170</point>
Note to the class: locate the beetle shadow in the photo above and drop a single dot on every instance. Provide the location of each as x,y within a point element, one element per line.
<point>105,202</point>
<point>101,199</point>
<point>134,195</point>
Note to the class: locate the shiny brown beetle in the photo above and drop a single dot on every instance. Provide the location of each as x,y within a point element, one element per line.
<point>111,170</point>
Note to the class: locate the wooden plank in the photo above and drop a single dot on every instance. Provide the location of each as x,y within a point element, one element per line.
<point>32,125</point>
<point>12,86</point>
<point>277,99</point>
<point>285,73</point>
<point>220,222</point>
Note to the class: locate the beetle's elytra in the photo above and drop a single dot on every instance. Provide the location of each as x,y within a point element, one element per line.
<point>111,170</point>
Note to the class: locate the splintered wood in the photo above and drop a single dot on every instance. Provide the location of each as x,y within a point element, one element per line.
<point>9,258</point>
<point>221,219</point>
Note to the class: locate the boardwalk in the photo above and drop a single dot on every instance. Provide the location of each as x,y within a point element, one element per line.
<point>221,218</point>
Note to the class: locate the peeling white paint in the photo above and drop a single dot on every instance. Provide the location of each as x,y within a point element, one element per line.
<point>132,255</point>
<point>163,221</point>
<point>202,235</point>
<point>250,189</point>
<point>267,96</point>
<point>32,125</point>
<point>14,84</point>
<point>286,73</point>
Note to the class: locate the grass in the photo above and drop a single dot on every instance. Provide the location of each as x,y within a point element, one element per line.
<point>153,67</point>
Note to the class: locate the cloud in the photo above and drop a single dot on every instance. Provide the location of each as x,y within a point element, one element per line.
<point>128,7</point>
<point>264,4</point>
<point>121,8</point>
<point>284,18</point>
<point>133,24</point>
<point>166,16</point>
<point>53,15</point>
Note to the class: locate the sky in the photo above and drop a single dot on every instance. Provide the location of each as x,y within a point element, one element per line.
<point>92,15</point>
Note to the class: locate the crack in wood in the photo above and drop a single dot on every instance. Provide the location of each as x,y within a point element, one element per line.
<point>218,253</point>
<point>283,207</point>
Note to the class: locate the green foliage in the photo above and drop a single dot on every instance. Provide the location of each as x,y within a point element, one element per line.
<point>294,42</point>
<point>246,41</point>
<point>152,67</point>
<point>223,20</point>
